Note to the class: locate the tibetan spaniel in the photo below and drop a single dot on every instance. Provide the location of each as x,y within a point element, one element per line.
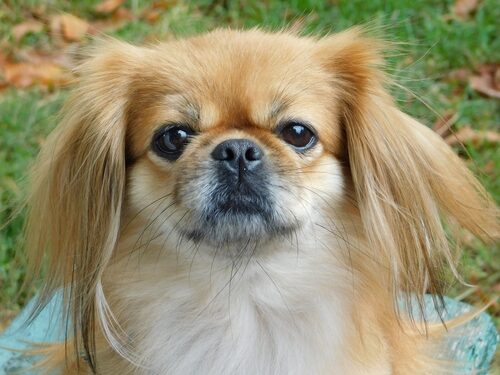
<point>245,202</point>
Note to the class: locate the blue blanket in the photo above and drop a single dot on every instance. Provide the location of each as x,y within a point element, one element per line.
<point>472,344</point>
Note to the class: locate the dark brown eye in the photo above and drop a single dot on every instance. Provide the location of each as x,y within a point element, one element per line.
<point>169,142</point>
<point>299,135</point>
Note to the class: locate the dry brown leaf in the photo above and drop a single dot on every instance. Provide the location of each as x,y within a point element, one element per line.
<point>123,14</point>
<point>108,6</point>
<point>61,57</point>
<point>3,57</point>
<point>25,74</point>
<point>72,28</point>
<point>163,4</point>
<point>151,15</point>
<point>23,28</point>
<point>487,80</point>
<point>489,167</point>
<point>464,8</point>
<point>55,29</point>
<point>461,75</point>
<point>32,67</point>
<point>117,20</point>
<point>467,134</point>
<point>483,85</point>
<point>496,287</point>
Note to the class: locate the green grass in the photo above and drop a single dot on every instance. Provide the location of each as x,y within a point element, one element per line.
<point>429,47</point>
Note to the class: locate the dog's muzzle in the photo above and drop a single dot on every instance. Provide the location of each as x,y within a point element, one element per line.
<point>241,179</point>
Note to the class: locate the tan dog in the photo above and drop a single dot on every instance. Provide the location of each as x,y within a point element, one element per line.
<point>244,202</point>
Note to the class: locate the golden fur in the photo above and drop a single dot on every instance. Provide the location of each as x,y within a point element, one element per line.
<point>97,188</point>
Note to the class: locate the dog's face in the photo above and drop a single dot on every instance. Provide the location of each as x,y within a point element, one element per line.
<point>233,138</point>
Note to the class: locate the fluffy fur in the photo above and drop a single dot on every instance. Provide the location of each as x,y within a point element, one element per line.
<point>358,222</point>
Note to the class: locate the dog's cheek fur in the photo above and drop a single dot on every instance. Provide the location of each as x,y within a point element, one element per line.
<point>304,191</point>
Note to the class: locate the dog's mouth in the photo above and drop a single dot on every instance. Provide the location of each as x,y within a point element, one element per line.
<point>236,197</point>
<point>242,214</point>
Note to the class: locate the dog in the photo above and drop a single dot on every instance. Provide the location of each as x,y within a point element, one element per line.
<point>246,202</point>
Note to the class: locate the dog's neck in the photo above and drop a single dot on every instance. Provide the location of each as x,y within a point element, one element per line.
<point>194,311</point>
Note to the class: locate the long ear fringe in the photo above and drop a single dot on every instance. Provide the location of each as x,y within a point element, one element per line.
<point>77,190</point>
<point>409,184</point>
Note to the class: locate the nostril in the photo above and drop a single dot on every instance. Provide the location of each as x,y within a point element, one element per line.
<point>229,154</point>
<point>253,154</point>
<point>225,152</point>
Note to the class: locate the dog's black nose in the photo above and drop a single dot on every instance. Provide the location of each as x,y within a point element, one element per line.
<point>238,155</point>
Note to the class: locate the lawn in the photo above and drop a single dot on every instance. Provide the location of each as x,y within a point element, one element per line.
<point>438,50</point>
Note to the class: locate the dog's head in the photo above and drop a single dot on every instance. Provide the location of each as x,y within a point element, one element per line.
<point>234,133</point>
<point>234,137</point>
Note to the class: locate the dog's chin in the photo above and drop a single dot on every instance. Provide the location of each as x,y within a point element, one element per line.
<point>238,227</point>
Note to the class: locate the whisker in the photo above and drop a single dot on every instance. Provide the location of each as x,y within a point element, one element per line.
<point>144,208</point>
<point>150,223</point>
<point>279,292</point>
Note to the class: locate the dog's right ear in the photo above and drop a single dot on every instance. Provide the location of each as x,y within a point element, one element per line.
<point>409,184</point>
<point>78,184</point>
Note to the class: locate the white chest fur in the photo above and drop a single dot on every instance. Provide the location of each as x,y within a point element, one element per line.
<point>290,315</point>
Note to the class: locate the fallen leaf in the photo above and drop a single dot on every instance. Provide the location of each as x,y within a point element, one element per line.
<point>162,4</point>
<point>467,134</point>
<point>38,11</point>
<point>58,62</point>
<point>487,80</point>
<point>108,6</point>
<point>61,57</point>
<point>72,28</point>
<point>44,73</point>
<point>473,279</point>
<point>496,288</point>
<point>444,123</point>
<point>23,28</point>
<point>55,29</point>
<point>3,57</point>
<point>461,74</point>
<point>151,15</point>
<point>464,8</point>
<point>123,14</point>
<point>153,12</point>
<point>117,20</point>
<point>489,167</point>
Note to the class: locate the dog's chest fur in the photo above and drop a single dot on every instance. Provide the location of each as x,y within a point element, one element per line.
<point>287,316</point>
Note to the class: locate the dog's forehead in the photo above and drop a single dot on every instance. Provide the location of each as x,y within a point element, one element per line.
<point>234,73</point>
<point>232,79</point>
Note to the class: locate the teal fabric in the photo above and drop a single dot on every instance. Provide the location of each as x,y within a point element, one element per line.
<point>46,327</point>
<point>472,344</point>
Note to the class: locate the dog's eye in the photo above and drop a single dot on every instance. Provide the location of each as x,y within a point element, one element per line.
<point>300,136</point>
<point>170,141</point>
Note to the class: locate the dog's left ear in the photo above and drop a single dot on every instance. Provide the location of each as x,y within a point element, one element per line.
<point>78,187</point>
<point>409,184</point>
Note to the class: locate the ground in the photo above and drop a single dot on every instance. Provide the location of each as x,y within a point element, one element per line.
<point>445,55</point>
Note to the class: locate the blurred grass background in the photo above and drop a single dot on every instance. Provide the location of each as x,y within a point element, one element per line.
<point>439,49</point>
